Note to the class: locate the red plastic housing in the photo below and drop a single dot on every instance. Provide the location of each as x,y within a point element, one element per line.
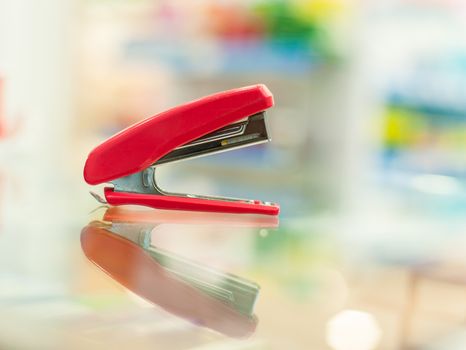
<point>140,145</point>
<point>187,203</point>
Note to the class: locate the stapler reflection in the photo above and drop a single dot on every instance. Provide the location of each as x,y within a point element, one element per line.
<point>121,246</point>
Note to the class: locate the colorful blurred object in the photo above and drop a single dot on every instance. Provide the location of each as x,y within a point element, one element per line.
<point>425,128</point>
<point>6,129</point>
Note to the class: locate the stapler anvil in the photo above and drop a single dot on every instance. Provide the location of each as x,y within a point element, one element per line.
<point>216,123</point>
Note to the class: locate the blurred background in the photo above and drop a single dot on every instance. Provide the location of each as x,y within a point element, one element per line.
<point>367,160</point>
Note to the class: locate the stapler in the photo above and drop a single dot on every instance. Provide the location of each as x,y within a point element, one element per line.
<point>220,122</point>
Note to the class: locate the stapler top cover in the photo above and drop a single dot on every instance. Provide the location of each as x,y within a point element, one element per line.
<point>139,146</point>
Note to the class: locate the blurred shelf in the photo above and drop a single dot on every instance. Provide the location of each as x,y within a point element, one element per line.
<point>434,112</point>
<point>281,57</point>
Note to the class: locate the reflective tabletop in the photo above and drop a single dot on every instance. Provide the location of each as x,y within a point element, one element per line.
<point>77,275</point>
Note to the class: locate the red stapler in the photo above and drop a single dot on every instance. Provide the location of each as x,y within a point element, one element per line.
<point>216,123</point>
